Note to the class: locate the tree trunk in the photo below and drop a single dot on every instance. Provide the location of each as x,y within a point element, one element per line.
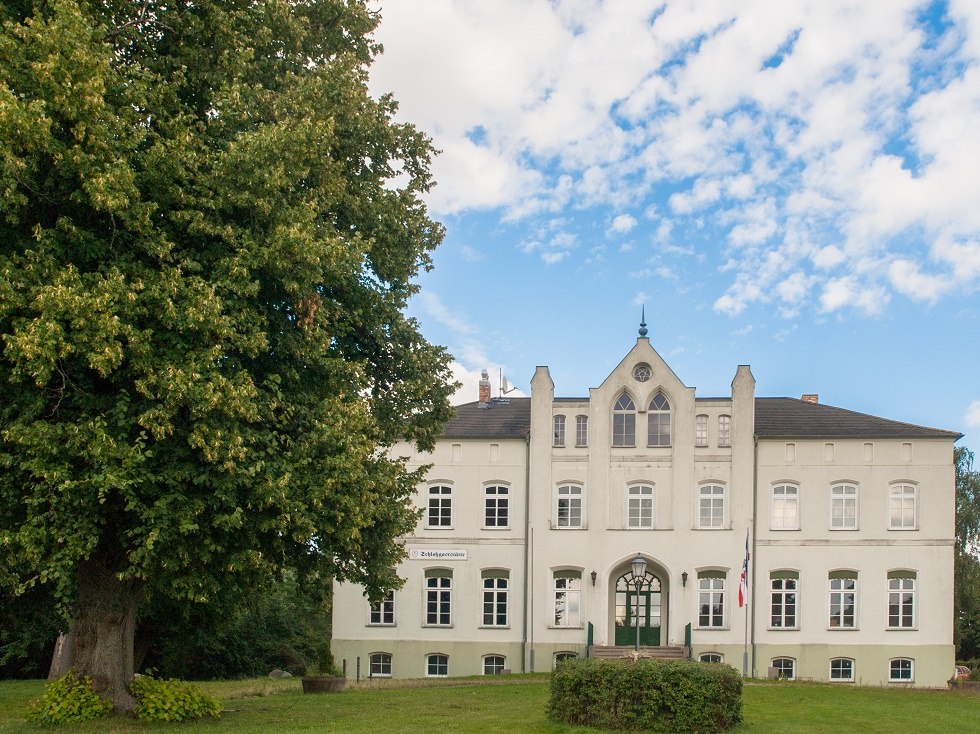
<point>64,655</point>
<point>104,625</point>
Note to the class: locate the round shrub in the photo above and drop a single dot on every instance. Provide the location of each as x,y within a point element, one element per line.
<point>68,700</point>
<point>171,700</point>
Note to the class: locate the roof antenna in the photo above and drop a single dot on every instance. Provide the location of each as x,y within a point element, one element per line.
<point>643,322</point>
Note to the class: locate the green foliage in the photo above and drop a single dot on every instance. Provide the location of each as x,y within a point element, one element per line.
<point>209,232</point>
<point>171,700</point>
<point>966,566</point>
<point>68,700</point>
<point>653,695</point>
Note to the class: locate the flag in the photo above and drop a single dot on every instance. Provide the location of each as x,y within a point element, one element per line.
<point>743,588</point>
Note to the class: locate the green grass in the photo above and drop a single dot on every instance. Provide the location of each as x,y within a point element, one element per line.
<point>515,704</point>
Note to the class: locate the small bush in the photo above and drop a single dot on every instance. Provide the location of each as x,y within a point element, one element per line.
<point>653,695</point>
<point>68,700</point>
<point>171,700</point>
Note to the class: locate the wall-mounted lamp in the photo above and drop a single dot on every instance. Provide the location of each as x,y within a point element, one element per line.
<point>593,574</point>
<point>683,578</point>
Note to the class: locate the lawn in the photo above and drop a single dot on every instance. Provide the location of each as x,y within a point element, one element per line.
<point>516,704</point>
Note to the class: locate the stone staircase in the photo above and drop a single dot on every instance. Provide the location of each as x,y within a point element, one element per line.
<point>616,652</point>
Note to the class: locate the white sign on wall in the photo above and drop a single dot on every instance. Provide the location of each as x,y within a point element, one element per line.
<point>426,554</point>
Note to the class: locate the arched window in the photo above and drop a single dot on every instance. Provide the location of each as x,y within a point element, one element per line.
<point>559,430</point>
<point>495,583</point>
<point>624,421</point>
<point>710,657</point>
<point>436,665</point>
<point>380,665</point>
<point>842,669</point>
<point>493,664</point>
<point>658,421</point>
<point>901,600</point>
<point>784,668</point>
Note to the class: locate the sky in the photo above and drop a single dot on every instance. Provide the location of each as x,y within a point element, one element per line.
<point>789,185</point>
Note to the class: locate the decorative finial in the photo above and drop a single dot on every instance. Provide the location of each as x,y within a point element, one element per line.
<point>643,321</point>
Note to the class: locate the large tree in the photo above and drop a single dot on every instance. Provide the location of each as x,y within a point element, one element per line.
<point>208,233</point>
<point>966,629</point>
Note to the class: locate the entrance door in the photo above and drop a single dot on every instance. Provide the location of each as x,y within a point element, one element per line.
<point>626,613</point>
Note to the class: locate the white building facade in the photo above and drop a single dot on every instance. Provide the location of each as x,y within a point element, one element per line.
<point>534,509</point>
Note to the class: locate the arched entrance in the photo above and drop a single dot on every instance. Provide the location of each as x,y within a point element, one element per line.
<point>649,618</point>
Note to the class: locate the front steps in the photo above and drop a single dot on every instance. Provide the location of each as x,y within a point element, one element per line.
<point>617,652</point>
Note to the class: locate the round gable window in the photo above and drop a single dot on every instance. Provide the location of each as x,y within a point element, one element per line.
<point>642,372</point>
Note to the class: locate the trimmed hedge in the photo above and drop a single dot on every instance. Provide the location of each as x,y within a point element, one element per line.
<point>652,695</point>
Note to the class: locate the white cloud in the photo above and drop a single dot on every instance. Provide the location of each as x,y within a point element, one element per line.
<point>622,224</point>
<point>972,416</point>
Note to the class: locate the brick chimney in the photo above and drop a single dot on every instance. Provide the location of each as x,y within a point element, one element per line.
<point>484,389</point>
<point>815,399</point>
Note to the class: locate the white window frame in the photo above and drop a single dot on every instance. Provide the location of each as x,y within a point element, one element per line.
<point>383,662</point>
<point>658,416</point>
<point>892,668</point>
<point>624,421</point>
<point>841,670</point>
<point>837,597</point>
<point>781,667</point>
<point>572,498</point>
<point>783,584</point>
<point>559,431</point>
<point>496,507</point>
<point>498,665</point>
<point>566,585</point>
<point>710,498</point>
<point>495,589</point>
<point>382,613</point>
<point>701,430</point>
<point>712,658</point>
<point>438,598</point>
<point>903,497</point>
<point>842,496</point>
<point>724,431</point>
<point>439,507</point>
<point>436,660</point>
<point>781,496</point>
<point>581,430</point>
<point>903,594</point>
<point>712,589</point>
<point>640,506</point>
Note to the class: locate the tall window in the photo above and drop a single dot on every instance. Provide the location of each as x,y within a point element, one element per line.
<point>493,664</point>
<point>570,506</point>
<point>581,430</point>
<point>380,665</point>
<point>496,506</point>
<point>843,507</point>
<point>711,599</point>
<point>843,600</point>
<point>440,513</point>
<point>700,430</point>
<point>568,598</point>
<point>842,669</point>
<point>437,665</point>
<point>383,612</point>
<point>785,507</point>
<point>724,430</point>
<point>559,430</point>
<point>901,670</point>
<point>783,587</point>
<point>640,506</point>
<point>901,507</point>
<point>495,598</point>
<point>624,421</point>
<point>658,421</point>
<point>785,668</point>
<point>711,506</point>
<point>438,597</point>
<point>901,599</point>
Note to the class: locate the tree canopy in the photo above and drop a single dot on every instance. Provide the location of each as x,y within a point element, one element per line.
<point>209,231</point>
<point>966,627</point>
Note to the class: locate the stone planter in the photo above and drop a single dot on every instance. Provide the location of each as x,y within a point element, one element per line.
<point>324,684</point>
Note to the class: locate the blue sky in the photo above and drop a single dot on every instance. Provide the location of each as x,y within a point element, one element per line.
<point>794,186</point>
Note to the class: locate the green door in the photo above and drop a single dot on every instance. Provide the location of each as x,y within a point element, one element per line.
<point>649,610</point>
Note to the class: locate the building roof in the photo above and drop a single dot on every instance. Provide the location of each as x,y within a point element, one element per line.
<point>792,418</point>
<point>774,418</point>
